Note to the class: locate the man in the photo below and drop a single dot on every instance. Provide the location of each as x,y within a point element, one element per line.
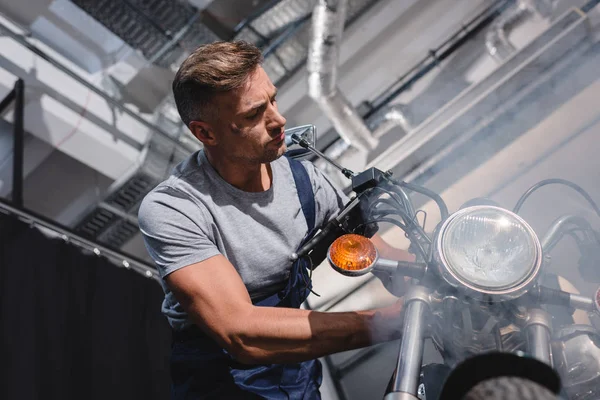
<point>221,230</point>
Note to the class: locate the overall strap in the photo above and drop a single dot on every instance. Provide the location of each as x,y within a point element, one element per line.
<point>305,192</point>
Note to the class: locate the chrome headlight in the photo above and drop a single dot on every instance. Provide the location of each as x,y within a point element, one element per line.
<point>489,250</point>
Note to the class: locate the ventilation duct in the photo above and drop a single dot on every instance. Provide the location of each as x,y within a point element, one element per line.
<point>328,24</point>
<point>497,42</point>
<point>496,39</point>
<point>388,118</point>
<point>284,31</point>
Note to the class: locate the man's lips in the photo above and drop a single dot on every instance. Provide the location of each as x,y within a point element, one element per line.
<point>279,137</point>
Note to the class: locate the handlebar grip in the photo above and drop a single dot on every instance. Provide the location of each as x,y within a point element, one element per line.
<point>565,299</point>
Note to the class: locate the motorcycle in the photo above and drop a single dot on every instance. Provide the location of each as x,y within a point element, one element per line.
<point>478,289</point>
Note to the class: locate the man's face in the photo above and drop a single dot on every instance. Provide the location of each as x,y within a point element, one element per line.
<point>249,128</point>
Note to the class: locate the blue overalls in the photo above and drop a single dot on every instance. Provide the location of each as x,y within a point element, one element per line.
<point>201,369</point>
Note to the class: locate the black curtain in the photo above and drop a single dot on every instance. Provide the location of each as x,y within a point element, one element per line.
<point>74,326</point>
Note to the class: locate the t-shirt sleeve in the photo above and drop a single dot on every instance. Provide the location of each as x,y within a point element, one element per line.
<point>176,230</point>
<point>329,198</point>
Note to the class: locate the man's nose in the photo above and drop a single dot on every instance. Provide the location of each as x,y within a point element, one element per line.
<point>277,120</point>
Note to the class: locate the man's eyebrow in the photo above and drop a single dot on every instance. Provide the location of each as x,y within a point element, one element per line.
<point>254,107</point>
<point>259,105</point>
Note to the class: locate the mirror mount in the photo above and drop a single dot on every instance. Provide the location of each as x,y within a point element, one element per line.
<point>307,134</point>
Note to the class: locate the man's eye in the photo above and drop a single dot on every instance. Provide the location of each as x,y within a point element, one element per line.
<point>252,115</point>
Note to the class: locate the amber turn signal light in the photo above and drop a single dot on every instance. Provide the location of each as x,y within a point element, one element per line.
<point>352,255</point>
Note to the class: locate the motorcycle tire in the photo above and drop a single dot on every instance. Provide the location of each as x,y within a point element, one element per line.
<point>509,388</point>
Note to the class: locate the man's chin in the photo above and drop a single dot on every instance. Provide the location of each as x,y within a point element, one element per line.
<point>273,155</point>
<point>281,151</point>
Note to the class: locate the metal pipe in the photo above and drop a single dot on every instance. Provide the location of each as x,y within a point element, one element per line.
<point>411,350</point>
<point>389,118</point>
<point>538,341</point>
<point>581,302</point>
<point>400,396</point>
<point>18,144</point>
<point>408,367</point>
<point>496,39</point>
<point>327,26</point>
<point>23,41</point>
<point>442,52</point>
<point>538,335</point>
<point>404,268</point>
<point>556,230</point>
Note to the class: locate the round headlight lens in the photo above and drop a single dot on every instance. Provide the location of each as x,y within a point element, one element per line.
<point>489,248</point>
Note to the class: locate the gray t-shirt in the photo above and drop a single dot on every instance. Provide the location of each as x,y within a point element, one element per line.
<point>195,215</point>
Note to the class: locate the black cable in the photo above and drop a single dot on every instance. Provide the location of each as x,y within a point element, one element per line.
<point>409,222</point>
<point>394,197</point>
<point>565,182</point>
<point>393,208</point>
<point>404,197</point>
<point>379,201</point>
<point>384,214</point>
<point>403,212</point>
<point>413,239</point>
<point>411,235</point>
<point>426,192</point>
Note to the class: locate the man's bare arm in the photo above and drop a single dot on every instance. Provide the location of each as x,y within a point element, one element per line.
<point>390,252</point>
<point>215,297</point>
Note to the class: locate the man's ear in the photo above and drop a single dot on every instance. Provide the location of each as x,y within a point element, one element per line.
<point>203,132</point>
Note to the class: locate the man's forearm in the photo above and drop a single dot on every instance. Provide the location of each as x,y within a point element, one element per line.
<point>283,335</point>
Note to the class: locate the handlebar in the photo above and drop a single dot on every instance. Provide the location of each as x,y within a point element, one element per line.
<point>560,227</point>
<point>547,295</point>
<point>325,236</point>
<point>404,268</point>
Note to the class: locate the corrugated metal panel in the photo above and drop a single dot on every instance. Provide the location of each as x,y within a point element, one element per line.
<point>151,26</point>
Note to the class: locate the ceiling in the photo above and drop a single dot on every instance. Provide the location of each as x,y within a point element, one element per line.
<point>102,130</point>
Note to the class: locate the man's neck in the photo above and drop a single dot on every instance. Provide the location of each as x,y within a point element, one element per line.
<point>249,177</point>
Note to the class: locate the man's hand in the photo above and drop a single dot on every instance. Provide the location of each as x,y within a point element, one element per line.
<point>394,284</point>
<point>389,252</point>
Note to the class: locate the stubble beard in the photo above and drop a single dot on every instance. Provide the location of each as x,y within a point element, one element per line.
<point>271,155</point>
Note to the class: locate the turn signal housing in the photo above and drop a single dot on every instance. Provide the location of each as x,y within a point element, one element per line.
<point>352,255</point>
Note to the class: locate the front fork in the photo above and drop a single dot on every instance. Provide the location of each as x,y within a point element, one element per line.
<point>408,366</point>
<point>405,381</point>
<point>538,328</point>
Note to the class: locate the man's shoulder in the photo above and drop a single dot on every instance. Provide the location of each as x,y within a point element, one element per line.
<point>175,194</point>
<point>161,202</point>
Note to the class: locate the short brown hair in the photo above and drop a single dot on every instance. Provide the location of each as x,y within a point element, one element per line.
<point>211,69</point>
